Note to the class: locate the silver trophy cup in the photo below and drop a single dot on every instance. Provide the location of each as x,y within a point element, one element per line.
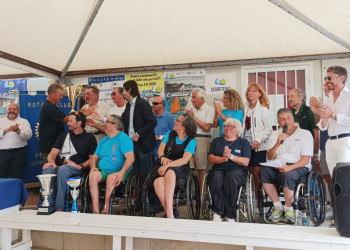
<point>46,182</point>
<point>74,183</point>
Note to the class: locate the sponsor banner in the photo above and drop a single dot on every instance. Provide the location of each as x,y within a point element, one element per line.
<point>30,107</point>
<point>178,86</point>
<point>106,84</point>
<point>218,83</point>
<point>150,84</point>
<point>9,86</point>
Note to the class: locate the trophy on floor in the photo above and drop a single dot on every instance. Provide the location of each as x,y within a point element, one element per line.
<point>74,183</point>
<point>73,92</point>
<point>47,183</point>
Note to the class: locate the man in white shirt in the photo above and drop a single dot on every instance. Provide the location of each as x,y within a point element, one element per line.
<point>14,134</point>
<point>294,150</point>
<point>94,105</point>
<point>335,116</point>
<point>203,115</point>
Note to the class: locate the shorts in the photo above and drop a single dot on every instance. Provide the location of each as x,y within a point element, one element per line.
<point>257,158</point>
<point>104,175</point>
<point>200,158</point>
<point>289,180</point>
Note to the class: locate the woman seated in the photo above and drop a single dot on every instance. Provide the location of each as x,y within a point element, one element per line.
<point>230,157</point>
<point>175,152</point>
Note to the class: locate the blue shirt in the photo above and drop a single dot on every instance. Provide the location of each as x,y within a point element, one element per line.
<point>111,152</point>
<point>165,123</point>
<point>191,146</point>
<point>230,114</point>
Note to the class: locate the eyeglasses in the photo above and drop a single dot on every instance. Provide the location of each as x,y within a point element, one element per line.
<point>113,94</point>
<point>177,120</point>
<point>329,78</point>
<point>110,122</point>
<point>229,126</point>
<point>156,103</point>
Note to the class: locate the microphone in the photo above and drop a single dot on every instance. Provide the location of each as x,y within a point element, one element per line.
<point>284,130</point>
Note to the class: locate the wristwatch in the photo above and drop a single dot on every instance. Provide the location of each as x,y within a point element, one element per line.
<point>334,116</point>
<point>231,158</point>
<point>81,165</point>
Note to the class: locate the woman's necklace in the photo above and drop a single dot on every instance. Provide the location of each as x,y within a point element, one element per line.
<point>228,145</point>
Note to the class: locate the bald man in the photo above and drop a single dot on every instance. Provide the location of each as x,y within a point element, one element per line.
<point>14,134</point>
<point>165,121</point>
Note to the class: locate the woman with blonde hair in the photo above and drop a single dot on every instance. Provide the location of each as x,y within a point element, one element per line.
<point>232,101</point>
<point>257,127</point>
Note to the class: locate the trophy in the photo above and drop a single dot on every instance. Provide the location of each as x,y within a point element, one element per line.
<point>73,92</point>
<point>74,183</point>
<point>47,182</point>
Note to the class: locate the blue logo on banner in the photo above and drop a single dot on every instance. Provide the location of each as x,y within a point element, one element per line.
<point>102,79</point>
<point>7,86</point>
<point>30,107</point>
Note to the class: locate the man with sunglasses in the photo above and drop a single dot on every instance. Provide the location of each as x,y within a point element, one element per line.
<point>335,116</point>
<point>165,122</point>
<point>69,156</point>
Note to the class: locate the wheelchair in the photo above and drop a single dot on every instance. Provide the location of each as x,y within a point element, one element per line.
<point>186,193</point>
<point>126,196</point>
<point>245,201</point>
<point>309,201</point>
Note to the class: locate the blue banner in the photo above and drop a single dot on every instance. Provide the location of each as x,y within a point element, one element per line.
<point>102,79</point>
<point>30,107</point>
<point>12,85</point>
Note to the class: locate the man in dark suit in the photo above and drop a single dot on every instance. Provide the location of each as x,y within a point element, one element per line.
<point>139,124</point>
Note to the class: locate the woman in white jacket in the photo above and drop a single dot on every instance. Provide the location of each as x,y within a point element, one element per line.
<point>257,127</point>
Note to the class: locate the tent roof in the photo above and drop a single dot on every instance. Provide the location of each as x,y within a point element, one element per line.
<point>138,33</point>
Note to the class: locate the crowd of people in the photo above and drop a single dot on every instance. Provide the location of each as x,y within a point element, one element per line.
<point>134,135</point>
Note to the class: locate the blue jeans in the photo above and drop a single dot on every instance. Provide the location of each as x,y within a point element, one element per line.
<point>63,172</point>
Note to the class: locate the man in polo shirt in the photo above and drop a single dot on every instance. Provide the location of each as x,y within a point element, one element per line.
<point>304,116</point>
<point>294,150</point>
<point>203,115</point>
<point>165,121</point>
<point>94,105</point>
<point>69,156</point>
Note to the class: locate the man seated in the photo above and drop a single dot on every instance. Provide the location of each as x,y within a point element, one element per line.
<point>74,150</point>
<point>293,149</point>
<point>116,155</point>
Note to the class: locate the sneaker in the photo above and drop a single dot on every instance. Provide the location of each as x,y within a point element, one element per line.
<point>216,217</point>
<point>229,220</point>
<point>289,217</point>
<point>276,215</point>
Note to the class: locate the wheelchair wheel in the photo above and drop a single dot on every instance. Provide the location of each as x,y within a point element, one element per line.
<point>250,197</point>
<point>86,201</point>
<point>265,205</point>
<point>193,197</point>
<point>133,193</point>
<point>316,199</point>
<point>206,200</point>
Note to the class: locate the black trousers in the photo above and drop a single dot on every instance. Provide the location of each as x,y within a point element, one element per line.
<point>224,187</point>
<point>12,163</point>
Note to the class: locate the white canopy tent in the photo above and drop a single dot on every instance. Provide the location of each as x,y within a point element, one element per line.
<point>69,38</point>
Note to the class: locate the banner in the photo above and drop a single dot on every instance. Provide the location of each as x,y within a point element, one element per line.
<point>106,84</point>
<point>30,107</point>
<point>150,84</point>
<point>6,87</point>
<point>218,83</point>
<point>178,86</point>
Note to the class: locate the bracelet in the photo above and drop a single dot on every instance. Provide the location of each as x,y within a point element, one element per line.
<point>160,157</point>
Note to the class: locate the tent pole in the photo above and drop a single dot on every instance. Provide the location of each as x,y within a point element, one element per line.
<point>81,39</point>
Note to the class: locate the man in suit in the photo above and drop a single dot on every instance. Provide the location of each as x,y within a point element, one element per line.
<point>139,124</point>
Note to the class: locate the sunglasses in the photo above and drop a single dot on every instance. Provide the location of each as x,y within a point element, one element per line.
<point>156,103</point>
<point>229,126</point>
<point>329,78</point>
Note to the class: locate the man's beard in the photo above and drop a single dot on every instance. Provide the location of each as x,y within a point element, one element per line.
<point>12,116</point>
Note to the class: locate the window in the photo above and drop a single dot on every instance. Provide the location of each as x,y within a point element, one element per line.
<point>278,81</point>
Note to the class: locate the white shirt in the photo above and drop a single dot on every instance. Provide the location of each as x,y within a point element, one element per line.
<point>131,117</point>
<point>115,110</point>
<point>298,144</point>
<point>342,110</point>
<point>11,139</point>
<point>205,113</point>
<point>102,110</point>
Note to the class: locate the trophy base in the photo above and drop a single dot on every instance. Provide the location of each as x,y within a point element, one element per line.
<point>45,210</point>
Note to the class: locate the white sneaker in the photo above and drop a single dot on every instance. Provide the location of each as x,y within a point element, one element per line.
<point>216,217</point>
